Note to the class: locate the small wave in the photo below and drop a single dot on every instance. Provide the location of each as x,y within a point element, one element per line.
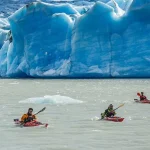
<point>95,118</point>
<point>14,83</point>
<point>97,130</point>
<point>53,100</point>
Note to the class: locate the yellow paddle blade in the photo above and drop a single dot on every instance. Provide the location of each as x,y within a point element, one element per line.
<point>121,105</point>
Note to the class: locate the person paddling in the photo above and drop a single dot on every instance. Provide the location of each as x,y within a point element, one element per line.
<point>142,96</point>
<point>108,112</point>
<point>28,117</point>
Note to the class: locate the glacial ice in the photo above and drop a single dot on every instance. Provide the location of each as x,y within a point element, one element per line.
<point>66,40</point>
<point>139,3</point>
<point>52,100</point>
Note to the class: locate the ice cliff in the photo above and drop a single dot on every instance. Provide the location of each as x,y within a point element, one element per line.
<point>109,39</point>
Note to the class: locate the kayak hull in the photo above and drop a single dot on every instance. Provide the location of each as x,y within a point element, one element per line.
<point>30,124</point>
<point>143,101</point>
<point>114,119</point>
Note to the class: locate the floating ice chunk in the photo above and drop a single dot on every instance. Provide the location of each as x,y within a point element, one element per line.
<point>53,100</point>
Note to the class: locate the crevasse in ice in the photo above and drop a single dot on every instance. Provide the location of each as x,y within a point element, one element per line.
<point>65,40</point>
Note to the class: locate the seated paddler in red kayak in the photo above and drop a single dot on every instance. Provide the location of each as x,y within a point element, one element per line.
<point>28,117</point>
<point>142,96</point>
<point>109,112</point>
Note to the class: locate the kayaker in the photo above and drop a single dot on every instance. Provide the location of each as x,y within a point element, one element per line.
<point>28,117</point>
<point>108,112</point>
<point>142,96</point>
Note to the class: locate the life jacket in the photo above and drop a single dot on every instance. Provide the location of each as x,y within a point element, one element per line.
<point>142,97</point>
<point>109,113</point>
<point>27,118</point>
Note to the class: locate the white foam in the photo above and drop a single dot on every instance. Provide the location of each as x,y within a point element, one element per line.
<point>95,118</point>
<point>14,83</point>
<point>54,100</point>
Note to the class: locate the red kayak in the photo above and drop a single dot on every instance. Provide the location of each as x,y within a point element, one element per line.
<point>143,101</point>
<point>30,124</point>
<point>115,119</point>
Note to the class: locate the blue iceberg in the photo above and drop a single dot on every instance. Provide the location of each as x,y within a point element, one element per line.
<point>108,39</point>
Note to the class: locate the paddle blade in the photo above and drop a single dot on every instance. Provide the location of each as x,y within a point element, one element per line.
<point>43,109</point>
<point>121,105</point>
<point>40,111</point>
<point>138,94</point>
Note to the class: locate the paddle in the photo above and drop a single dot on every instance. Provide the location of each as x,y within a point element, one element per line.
<point>119,106</point>
<point>40,111</point>
<point>138,94</point>
<point>34,114</point>
<point>114,109</point>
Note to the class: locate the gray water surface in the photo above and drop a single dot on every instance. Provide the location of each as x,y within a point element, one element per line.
<point>72,109</point>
